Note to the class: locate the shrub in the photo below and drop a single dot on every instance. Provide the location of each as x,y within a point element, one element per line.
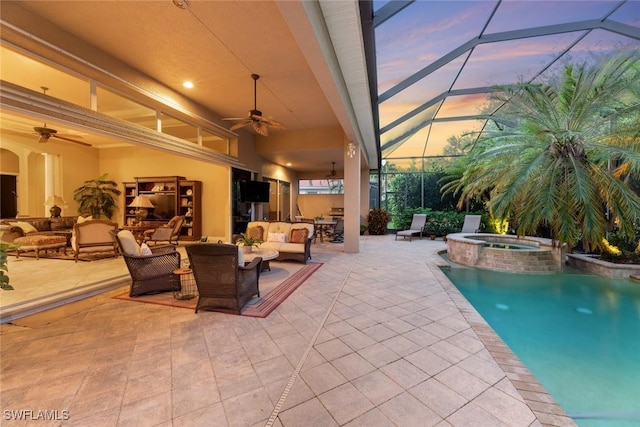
<point>378,220</point>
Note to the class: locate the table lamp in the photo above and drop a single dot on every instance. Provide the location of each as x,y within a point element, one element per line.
<point>142,204</point>
<point>54,201</point>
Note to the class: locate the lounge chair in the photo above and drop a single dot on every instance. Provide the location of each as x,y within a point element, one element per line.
<point>471,223</point>
<point>417,224</point>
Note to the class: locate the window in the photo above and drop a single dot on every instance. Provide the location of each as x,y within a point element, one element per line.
<point>321,186</point>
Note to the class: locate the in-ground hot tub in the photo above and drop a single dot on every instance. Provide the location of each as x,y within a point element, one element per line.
<point>505,252</point>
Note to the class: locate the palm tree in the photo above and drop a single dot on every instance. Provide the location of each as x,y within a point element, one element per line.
<point>97,197</point>
<point>555,160</point>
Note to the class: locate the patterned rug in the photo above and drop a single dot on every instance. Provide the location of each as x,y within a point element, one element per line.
<point>51,254</point>
<point>273,292</point>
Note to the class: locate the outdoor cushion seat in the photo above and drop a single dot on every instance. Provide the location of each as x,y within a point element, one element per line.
<point>38,242</point>
<point>417,224</point>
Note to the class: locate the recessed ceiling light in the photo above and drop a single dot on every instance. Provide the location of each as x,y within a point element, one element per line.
<point>288,163</point>
<point>188,84</point>
<point>182,4</point>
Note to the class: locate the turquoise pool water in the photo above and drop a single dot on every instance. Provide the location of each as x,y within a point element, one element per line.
<point>578,334</point>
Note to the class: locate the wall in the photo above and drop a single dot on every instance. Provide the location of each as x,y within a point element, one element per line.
<point>77,164</point>
<point>125,164</point>
<point>313,205</point>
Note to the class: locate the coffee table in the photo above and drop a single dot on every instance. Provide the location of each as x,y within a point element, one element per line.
<point>266,255</point>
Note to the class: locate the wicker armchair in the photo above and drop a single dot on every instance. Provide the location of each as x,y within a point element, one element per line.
<point>153,273</point>
<point>223,285</point>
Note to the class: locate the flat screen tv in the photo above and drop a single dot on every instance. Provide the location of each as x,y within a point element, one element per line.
<point>164,207</point>
<point>254,191</point>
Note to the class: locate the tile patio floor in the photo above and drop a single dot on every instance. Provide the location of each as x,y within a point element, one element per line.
<point>379,338</point>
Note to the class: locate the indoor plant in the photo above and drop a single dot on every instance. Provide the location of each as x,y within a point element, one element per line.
<point>97,197</point>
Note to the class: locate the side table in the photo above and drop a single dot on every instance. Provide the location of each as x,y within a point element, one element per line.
<point>188,289</point>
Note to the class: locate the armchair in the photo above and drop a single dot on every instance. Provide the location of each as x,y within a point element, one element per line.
<point>223,284</point>
<point>93,236</point>
<point>152,273</point>
<point>169,232</point>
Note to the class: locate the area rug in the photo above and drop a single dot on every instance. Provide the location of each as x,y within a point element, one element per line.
<point>68,256</point>
<point>272,290</point>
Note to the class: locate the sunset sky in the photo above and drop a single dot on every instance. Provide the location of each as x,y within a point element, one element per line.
<point>426,30</point>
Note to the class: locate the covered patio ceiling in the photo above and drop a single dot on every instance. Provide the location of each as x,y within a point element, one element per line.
<point>438,61</point>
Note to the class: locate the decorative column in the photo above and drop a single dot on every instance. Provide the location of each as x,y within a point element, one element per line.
<point>351,197</point>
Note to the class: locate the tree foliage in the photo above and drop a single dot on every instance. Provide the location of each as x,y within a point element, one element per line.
<point>563,155</point>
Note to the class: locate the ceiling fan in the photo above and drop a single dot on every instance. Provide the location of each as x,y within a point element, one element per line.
<point>333,174</point>
<point>260,124</point>
<point>46,133</point>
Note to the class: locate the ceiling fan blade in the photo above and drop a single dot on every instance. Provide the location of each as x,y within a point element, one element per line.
<point>234,118</point>
<point>241,124</point>
<point>70,140</point>
<point>273,123</point>
<point>261,128</point>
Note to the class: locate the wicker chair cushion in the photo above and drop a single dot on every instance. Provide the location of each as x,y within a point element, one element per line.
<point>128,243</point>
<point>255,232</point>
<point>299,235</point>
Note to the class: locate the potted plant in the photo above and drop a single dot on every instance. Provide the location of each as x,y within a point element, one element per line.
<point>248,242</point>
<point>378,220</point>
<point>431,229</point>
<point>97,197</point>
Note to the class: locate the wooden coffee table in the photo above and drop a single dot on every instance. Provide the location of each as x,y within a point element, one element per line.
<point>266,255</point>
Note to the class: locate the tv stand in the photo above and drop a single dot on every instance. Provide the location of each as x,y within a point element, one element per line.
<point>172,195</point>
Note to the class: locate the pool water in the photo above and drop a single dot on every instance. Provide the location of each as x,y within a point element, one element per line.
<point>579,335</point>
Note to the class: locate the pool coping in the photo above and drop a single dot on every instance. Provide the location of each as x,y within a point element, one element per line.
<point>546,409</point>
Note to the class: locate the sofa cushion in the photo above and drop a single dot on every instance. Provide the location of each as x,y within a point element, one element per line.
<point>291,248</point>
<point>41,224</point>
<point>256,232</point>
<point>62,223</point>
<point>277,237</point>
<point>25,226</point>
<point>82,219</point>
<point>299,235</point>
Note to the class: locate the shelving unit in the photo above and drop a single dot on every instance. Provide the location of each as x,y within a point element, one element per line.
<point>172,195</point>
<point>190,196</point>
<point>130,192</point>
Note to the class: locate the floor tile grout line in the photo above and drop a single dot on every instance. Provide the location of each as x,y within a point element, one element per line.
<point>296,372</point>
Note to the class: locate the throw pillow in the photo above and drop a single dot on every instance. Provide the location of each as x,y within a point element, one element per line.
<point>276,237</point>
<point>255,232</point>
<point>240,256</point>
<point>128,242</point>
<point>26,227</point>
<point>82,219</point>
<point>299,235</point>
<point>145,250</point>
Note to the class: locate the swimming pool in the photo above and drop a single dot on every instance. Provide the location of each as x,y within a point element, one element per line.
<point>578,334</point>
